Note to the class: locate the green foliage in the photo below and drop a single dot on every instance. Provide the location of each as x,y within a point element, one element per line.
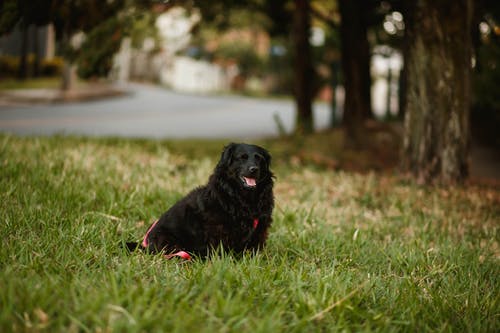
<point>9,15</point>
<point>52,67</point>
<point>24,12</point>
<point>142,27</point>
<point>223,14</point>
<point>244,54</point>
<point>70,17</point>
<point>347,252</point>
<point>35,83</point>
<point>9,66</point>
<point>95,58</point>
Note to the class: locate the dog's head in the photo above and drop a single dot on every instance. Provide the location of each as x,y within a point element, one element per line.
<point>246,164</point>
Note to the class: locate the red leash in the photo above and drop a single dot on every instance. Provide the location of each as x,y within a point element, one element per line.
<point>183,254</point>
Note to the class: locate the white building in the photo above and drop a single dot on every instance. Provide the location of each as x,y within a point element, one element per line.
<point>180,73</point>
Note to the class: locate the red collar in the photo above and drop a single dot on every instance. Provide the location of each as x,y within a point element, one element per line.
<point>255,223</point>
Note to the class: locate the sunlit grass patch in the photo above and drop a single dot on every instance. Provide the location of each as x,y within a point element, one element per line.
<point>346,251</point>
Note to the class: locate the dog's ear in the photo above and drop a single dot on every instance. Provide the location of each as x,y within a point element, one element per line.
<point>227,155</point>
<point>267,156</point>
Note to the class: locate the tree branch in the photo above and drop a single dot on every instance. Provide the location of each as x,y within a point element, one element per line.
<point>324,17</point>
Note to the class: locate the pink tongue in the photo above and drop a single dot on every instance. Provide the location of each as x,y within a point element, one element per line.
<point>250,181</point>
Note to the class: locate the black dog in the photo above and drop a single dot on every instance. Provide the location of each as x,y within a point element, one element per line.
<point>233,210</point>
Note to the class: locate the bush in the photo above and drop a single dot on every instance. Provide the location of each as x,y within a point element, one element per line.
<point>249,62</point>
<point>9,66</point>
<point>51,67</point>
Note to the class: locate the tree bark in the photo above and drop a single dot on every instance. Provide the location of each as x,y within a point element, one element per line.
<point>355,67</point>
<point>303,67</point>
<point>436,137</point>
<point>69,77</point>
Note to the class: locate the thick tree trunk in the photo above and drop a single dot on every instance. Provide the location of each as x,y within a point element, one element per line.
<point>438,97</point>
<point>303,66</point>
<point>355,67</point>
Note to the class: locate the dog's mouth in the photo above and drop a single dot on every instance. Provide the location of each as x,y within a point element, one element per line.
<point>249,182</point>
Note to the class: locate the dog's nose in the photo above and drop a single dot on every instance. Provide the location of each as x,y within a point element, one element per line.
<point>253,169</point>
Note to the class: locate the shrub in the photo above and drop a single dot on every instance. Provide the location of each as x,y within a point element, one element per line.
<point>51,67</point>
<point>9,65</point>
<point>249,62</point>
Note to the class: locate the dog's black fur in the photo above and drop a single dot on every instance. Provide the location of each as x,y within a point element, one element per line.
<point>222,212</point>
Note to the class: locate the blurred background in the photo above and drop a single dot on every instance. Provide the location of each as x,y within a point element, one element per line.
<point>307,71</point>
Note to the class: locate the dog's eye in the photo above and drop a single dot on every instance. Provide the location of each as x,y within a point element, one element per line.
<point>244,157</point>
<point>257,157</point>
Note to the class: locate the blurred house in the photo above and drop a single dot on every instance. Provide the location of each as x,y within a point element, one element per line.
<point>166,66</point>
<point>386,65</point>
<point>41,40</point>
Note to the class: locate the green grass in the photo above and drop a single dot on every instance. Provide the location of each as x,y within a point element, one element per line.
<point>44,82</point>
<point>347,252</point>
<point>52,82</point>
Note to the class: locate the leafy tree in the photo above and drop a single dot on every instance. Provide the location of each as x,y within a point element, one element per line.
<point>286,18</point>
<point>25,13</point>
<point>249,61</point>
<point>9,15</point>
<point>96,54</point>
<point>69,17</point>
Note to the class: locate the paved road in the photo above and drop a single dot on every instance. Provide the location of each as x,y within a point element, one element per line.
<point>153,112</point>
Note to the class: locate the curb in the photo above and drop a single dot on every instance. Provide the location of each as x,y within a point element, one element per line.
<point>55,96</point>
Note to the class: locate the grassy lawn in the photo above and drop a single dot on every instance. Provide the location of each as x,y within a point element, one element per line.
<point>347,251</point>
<point>44,82</point>
<point>53,82</point>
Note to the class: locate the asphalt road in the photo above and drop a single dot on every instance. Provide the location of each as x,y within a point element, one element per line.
<point>149,111</point>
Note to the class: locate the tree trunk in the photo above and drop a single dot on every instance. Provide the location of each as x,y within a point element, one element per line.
<point>406,7</point>
<point>438,93</point>
<point>36,47</point>
<point>68,75</point>
<point>355,67</point>
<point>303,66</point>
<point>23,62</point>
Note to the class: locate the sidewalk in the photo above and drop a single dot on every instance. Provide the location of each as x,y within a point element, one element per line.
<point>48,96</point>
